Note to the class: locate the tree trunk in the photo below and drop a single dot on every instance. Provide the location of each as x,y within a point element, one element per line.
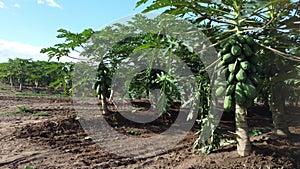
<point>243,146</point>
<point>21,86</point>
<point>111,96</point>
<point>104,104</point>
<point>277,104</point>
<point>36,84</point>
<point>11,83</point>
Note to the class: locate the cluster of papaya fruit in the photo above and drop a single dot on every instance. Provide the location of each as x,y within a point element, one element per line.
<point>241,68</point>
<point>103,81</point>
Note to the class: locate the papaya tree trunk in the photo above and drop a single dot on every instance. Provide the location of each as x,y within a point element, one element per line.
<point>277,104</point>
<point>21,86</point>
<point>111,96</point>
<point>11,83</point>
<point>243,146</point>
<point>104,103</point>
<point>36,84</point>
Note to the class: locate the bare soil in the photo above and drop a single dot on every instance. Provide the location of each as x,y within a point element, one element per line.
<point>58,140</point>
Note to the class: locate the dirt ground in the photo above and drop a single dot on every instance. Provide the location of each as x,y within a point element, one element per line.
<point>58,141</point>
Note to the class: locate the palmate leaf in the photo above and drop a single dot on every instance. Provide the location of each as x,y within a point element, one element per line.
<point>141,2</point>
<point>145,46</point>
<point>166,3</point>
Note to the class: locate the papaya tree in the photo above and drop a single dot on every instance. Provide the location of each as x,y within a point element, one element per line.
<point>283,35</point>
<point>237,22</point>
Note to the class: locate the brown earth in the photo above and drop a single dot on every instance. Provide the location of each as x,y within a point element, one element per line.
<point>58,140</point>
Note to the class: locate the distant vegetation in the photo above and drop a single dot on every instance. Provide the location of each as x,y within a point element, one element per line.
<point>38,75</point>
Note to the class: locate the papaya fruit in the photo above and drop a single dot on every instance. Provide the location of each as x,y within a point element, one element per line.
<point>220,64</point>
<point>245,65</point>
<point>228,58</point>
<point>220,91</point>
<point>225,72</point>
<point>229,90</point>
<point>220,54</point>
<point>249,40</point>
<point>228,103</point>
<point>231,78</point>
<point>241,57</point>
<point>250,91</point>
<point>241,39</point>
<point>247,50</point>
<point>231,67</point>
<point>255,79</point>
<point>227,47</point>
<point>239,86</point>
<point>232,41</point>
<point>241,75</point>
<point>236,50</point>
<point>240,97</point>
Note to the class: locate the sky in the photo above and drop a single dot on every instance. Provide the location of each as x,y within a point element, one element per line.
<point>28,25</point>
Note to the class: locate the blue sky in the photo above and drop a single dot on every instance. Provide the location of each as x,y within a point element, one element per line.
<point>29,25</point>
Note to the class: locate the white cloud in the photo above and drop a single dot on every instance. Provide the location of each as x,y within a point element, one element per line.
<point>16,5</point>
<point>11,50</point>
<point>2,5</point>
<point>51,3</point>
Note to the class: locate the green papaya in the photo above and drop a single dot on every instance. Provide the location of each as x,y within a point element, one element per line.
<point>225,72</point>
<point>227,47</point>
<point>236,50</point>
<point>245,65</point>
<point>232,41</point>
<point>233,67</point>
<point>220,64</point>
<point>241,57</point>
<point>250,91</point>
<point>247,50</point>
<point>240,97</point>
<point>220,91</point>
<point>241,39</point>
<point>249,40</point>
<point>228,103</point>
<point>255,79</point>
<point>228,58</point>
<point>221,84</point>
<point>231,78</point>
<point>239,86</point>
<point>220,54</point>
<point>229,90</point>
<point>241,75</point>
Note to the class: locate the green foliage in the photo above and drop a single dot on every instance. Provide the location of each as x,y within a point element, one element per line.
<point>20,110</point>
<point>26,72</point>
<point>27,167</point>
<point>71,43</point>
<point>132,132</point>
<point>38,114</point>
<point>257,132</point>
